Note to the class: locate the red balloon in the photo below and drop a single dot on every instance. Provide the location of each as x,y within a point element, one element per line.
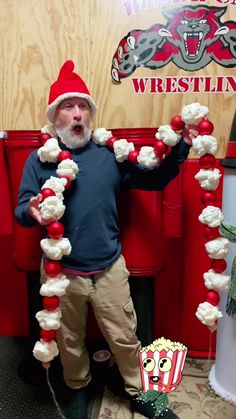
<point>210,233</point>
<point>160,148</point>
<point>207,161</point>
<point>48,335</point>
<point>46,192</point>
<point>56,230</point>
<point>110,142</point>
<point>133,156</point>
<point>208,197</point>
<point>205,127</point>
<point>213,298</point>
<point>63,155</point>
<point>43,137</point>
<point>218,265</point>
<point>176,123</point>
<point>68,181</point>
<point>51,303</point>
<point>52,267</point>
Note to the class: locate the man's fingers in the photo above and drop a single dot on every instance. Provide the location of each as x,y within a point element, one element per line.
<point>34,210</point>
<point>193,132</point>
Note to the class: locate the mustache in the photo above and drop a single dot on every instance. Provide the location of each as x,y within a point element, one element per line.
<point>76,124</point>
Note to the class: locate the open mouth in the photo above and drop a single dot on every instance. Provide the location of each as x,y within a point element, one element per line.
<point>192,42</point>
<point>154,379</point>
<point>77,129</point>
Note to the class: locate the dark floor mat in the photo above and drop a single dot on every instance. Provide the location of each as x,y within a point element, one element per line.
<point>24,393</point>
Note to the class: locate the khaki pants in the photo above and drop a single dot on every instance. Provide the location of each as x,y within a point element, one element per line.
<point>109,294</point>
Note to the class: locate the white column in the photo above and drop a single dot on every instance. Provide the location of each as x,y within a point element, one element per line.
<point>223,374</point>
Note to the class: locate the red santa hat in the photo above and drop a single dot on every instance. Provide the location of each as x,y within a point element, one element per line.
<point>68,84</point>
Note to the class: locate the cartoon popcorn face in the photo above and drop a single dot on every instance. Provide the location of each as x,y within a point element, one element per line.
<point>161,365</point>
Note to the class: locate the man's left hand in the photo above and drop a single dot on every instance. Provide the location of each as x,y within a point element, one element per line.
<point>189,133</point>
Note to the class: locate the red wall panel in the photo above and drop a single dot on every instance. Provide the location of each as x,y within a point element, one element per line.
<point>13,292</point>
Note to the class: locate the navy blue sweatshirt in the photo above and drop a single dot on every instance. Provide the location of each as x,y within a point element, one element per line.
<point>91,219</point>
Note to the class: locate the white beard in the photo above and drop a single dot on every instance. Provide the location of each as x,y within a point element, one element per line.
<point>70,140</point>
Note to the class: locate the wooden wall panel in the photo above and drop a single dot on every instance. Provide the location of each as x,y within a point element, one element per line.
<point>36,37</point>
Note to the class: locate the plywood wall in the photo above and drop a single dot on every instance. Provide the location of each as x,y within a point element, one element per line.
<point>37,36</point>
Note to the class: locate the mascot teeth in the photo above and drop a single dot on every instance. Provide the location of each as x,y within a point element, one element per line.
<point>192,42</point>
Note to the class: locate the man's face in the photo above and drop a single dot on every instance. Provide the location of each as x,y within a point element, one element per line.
<point>73,122</point>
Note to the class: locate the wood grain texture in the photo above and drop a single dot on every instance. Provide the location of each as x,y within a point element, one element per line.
<point>36,37</point>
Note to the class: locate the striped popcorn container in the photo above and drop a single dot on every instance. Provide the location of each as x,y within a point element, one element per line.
<point>161,365</point>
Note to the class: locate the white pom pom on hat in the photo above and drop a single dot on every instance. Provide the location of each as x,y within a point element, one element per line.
<point>68,85</point>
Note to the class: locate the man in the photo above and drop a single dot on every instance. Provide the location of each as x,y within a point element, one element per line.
<point>95,267</point>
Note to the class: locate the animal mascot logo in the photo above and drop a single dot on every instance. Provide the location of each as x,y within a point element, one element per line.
<point>191,39</point>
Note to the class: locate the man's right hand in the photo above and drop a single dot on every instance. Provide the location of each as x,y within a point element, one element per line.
<point>34,210</point>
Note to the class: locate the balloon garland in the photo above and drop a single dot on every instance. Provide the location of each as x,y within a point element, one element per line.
<point>52,207</point>
<point>54,247</point>
<point>211,216</point>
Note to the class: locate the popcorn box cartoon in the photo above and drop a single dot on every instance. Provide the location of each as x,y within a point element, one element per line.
<point>161,365</point>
